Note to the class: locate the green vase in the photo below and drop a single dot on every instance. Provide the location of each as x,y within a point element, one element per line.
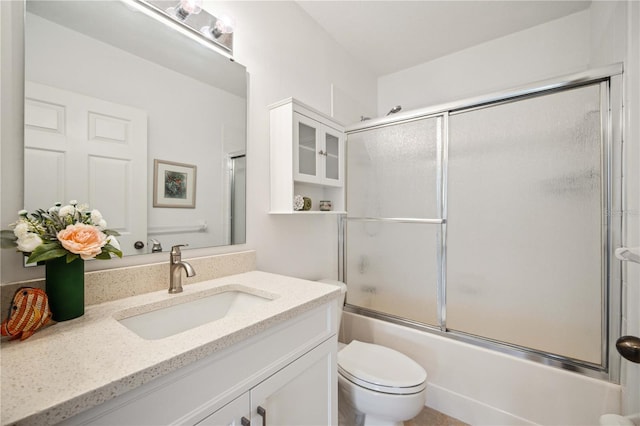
<point>65,288</point>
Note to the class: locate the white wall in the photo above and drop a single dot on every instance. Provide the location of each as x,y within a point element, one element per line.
<point>631,317</point>
<point>544,51</point>
<point>616,37</point>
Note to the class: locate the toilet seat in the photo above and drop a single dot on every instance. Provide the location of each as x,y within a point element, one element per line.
<point>381,369</point>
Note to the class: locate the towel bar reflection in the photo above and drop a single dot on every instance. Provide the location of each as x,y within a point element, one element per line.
<point>628,254</point>
<point>157,230</point>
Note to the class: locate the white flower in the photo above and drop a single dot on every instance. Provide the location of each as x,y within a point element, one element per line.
<point>73,202</point>
<point>66,211</point>
<point>21,230</point>
<point>112,240</point>
<point>102,224</point>
<point>96,217</point>
<point>29,242</point>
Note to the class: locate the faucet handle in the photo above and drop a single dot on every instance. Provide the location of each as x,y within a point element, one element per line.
<point>175,250</point>
<point>157,247</point>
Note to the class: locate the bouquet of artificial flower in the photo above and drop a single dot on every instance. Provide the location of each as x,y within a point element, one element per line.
<point>72,231</point>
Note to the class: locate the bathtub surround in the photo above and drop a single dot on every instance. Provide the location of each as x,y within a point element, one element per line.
<point>483,387</point>
<point>113,284</point>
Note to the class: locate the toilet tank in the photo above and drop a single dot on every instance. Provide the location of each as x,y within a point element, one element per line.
<point>343,288</point>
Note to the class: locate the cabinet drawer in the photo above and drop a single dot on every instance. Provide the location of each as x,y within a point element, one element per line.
<point>191,393</point>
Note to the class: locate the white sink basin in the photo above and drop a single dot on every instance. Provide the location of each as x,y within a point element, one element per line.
<point>170,320</point>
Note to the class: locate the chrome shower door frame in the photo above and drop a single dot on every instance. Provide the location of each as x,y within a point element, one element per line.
<point>610,81</point>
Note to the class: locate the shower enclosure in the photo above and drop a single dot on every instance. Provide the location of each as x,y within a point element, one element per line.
<point>493,221</point>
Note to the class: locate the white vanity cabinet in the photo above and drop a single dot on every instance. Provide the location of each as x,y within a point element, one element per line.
<point>288,370</point>
<point>295,395</point>
<point>307,157</point>
<point>235,413</point>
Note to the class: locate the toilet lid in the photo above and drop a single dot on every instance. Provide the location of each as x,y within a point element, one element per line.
<point>380,368</point>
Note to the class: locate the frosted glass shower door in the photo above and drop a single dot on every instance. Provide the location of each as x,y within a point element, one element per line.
<point>525,223</point>
<point>393,229</point>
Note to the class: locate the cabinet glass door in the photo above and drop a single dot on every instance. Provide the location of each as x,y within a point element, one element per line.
<point>305,149</point>
<point>332,156</point>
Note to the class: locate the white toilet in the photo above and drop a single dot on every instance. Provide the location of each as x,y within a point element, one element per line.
<point>377,386</point>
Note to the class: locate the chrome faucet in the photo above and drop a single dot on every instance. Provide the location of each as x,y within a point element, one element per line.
<point>175,274</point>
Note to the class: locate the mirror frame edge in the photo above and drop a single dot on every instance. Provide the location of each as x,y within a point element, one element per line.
<point>12,128</point>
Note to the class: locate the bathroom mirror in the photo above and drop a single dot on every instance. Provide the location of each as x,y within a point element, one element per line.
<point>122,109</point>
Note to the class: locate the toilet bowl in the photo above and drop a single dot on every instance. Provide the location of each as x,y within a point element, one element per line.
<point>377,386</point>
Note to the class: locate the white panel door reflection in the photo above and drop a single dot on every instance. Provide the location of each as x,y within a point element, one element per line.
<point>90,150</point>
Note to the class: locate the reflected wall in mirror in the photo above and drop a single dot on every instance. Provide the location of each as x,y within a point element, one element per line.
<point>108,90</point>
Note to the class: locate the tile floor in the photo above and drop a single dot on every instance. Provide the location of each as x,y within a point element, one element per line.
<point>427,417</point>
<point>430,417</point>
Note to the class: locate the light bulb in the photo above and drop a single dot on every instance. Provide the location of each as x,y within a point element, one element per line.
<point>222,25</point>
<point>192,7</point>
<point>186,8</point>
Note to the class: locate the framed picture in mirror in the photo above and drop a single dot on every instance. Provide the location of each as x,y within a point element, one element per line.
<point>174,184</point>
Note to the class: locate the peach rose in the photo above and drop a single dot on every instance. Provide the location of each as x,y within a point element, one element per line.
<point>82,239</point>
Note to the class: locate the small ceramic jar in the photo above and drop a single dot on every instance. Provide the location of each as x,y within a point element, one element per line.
<point>325,205</point>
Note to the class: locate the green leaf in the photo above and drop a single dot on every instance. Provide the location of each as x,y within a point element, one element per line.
<point>108,248</point>
<point>71,256</point>
<point>104,255</point>
<point>111,232</point>
<point>46,251</point>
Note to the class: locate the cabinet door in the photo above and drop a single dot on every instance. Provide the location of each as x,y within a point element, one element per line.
<point>303,393</point>
<point>306,149</point>
<point>333,153</point>
<point>235,413</point>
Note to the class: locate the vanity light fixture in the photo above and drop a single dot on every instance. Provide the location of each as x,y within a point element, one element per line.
<point>195,20</point>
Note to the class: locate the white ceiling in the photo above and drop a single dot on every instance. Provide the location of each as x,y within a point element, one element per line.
<point>392,35</point>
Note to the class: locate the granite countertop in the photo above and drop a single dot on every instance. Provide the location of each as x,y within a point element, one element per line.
<point>71,366</point>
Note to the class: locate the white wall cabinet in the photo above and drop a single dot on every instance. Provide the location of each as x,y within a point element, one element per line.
<point>289,371</point>
<point>307,157</point>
